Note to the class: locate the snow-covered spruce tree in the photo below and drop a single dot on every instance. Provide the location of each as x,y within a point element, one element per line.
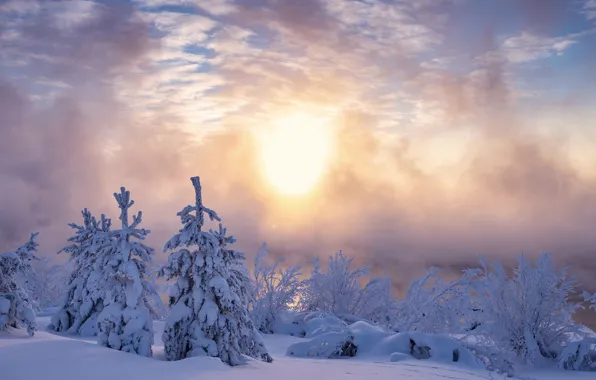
<point>84,298</point>
<point>240,284</point>
<point>26,276</point>
<point>529,313</point>
<point>432,305</point>
<point>15,308</point>
<point>126,321</point>
<point>208,303</point>
<point>275,289</point>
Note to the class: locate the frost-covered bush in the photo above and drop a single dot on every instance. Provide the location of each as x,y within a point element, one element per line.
<point>15,308</point>
<point>209,301</point>
<point>307,324</point>
<point>84,298</point>
<point>433,305</point>
<point>49,286</point>
<point>276,289</point>
<point>126,320</point>
<point>528,313</point>
<point>338,291</point>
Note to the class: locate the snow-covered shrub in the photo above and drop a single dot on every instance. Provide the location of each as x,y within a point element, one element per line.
<point>579,356</point>
<point>275,290</point>
<point>529,313</point>
<point>126,321</point>
<point>433,305</point>
<point>209,302</point>
<point>339,291</point>
<point>84,298</point>
<point>15,308</point>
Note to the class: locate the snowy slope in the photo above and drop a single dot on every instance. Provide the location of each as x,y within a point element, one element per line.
<point>48,356</point>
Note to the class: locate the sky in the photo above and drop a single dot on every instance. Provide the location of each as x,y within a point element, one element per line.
<point>429,131</point>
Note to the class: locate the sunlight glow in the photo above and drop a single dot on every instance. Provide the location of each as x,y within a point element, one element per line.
<point>295,152</point>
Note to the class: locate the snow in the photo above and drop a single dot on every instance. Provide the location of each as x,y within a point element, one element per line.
<point>53,356</point>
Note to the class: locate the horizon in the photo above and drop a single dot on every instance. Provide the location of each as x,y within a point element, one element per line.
<point>405,133</point>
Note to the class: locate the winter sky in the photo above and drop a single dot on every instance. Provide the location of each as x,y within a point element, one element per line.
<point>407,133</point>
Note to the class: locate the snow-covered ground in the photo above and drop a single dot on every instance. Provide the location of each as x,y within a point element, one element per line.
<point>49,356</point>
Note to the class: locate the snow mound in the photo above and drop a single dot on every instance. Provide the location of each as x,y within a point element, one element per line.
<point>579,356</point>
<point>330,345</point>
<point>372,342</point>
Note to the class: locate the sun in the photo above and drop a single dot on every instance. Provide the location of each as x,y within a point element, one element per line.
<point>295,151</point>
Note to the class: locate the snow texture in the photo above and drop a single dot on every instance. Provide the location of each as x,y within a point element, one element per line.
<point>209,301</point>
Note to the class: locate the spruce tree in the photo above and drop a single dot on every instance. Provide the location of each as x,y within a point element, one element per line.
<point>126,321</point>
<point>84,299</point>
<point>209,311</point>
<point>16,308</point>
<point>27,254</point>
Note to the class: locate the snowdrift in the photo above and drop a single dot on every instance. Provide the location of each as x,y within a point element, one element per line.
<point>367,341</point>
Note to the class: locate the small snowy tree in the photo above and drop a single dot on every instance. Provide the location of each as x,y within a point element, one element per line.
<point>15,308</point>
<point>529,313</point>
<point>275,289</point>
<point>84,298</point>
<point>208,304</point>
<point>126,322</point>
<point>433,305</point>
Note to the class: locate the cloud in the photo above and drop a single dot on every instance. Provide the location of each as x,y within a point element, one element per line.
<point>590,9</point>
<point>527,47</point>
<point>440,152</point>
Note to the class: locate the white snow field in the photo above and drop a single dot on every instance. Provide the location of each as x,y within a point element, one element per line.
<point>49,356</point>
